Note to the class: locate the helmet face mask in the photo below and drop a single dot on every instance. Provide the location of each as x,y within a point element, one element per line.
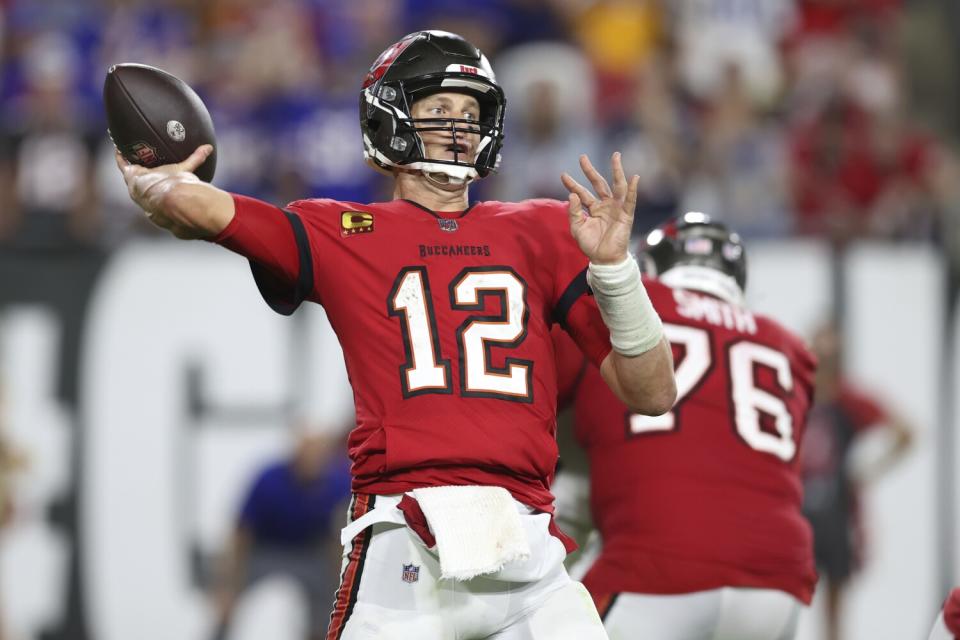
<point>420,65</point>
<point>698,244</point>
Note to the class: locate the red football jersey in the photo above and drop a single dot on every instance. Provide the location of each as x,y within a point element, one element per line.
<point>708,495</point>
<point>444,320</point>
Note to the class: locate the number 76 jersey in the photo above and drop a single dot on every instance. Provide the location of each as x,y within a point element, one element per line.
<point>709,494</point>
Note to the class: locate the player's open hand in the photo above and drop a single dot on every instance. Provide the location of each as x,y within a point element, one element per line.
<point>148,186</point>
<point>601,223</point>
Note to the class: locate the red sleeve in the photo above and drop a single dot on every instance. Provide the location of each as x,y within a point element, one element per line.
<point>864,411</point>
<point>570,365</point>
<point>585,325</point>
<point>276,244</point>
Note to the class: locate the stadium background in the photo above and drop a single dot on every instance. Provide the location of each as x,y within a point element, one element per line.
<point>144,381</point>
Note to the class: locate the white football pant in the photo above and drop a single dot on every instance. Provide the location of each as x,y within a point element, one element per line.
<point>399,595</point>
<point>719,614</point>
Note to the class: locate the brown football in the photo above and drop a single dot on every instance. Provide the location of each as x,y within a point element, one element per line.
<point>155,118</point>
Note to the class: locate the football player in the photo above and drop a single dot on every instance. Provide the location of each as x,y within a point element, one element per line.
<point>698,510</point>
<point>443,309</point>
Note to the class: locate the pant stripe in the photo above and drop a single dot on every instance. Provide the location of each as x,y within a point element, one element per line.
<point>350,580</point>
<point>605,604</point>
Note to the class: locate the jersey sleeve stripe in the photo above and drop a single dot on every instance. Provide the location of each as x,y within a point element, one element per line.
<point>577,288</point>
<point>605,604</point>
<point>304,284</point>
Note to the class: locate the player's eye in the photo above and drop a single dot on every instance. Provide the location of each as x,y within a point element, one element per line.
<point>469,115</point>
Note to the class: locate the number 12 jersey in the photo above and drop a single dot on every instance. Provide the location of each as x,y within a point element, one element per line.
<point>444,321</point>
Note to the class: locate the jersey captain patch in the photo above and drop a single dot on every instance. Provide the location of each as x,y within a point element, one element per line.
<point>355,222</point>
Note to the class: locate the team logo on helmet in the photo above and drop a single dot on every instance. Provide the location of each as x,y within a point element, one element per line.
<point>381,64</point>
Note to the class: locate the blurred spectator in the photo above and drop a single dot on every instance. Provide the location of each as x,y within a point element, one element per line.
<point>715,35</point>
<point>837,17</point>
<point>656,139</point>
<point>46,150</point>
<point>835,472</point>
<point>855,173</point>
<point>551,89</point>
<point>741,168</point>
<point>619,37</point>
<point>287,526</point>
<point>263,49</point>
<point>159,33</point>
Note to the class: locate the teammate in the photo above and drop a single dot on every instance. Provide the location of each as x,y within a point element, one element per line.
<point>443,311</point>
<point>698,510</point>
<point>834,475</point>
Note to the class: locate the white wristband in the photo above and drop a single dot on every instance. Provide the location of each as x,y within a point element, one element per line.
<point>634,325</point>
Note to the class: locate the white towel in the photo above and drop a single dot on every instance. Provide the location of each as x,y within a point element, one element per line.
<point>478,529</point>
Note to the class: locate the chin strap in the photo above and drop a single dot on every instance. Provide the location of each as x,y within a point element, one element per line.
<point>443,175</point>
<point>443,181</point>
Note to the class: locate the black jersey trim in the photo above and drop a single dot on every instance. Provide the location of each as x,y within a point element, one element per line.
<point>577,288</point>
<point>275,293</point>
<point>434,213</point>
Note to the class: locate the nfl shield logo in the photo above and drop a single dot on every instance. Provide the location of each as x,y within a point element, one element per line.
<point>146,154</point>
<point>411,573</point>
<point>447,224</point>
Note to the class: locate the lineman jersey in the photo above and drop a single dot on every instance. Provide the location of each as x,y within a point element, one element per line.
<point>444,320</point>
<point>707,495</point>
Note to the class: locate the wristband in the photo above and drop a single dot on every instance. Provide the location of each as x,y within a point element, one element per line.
<point>634,324</point>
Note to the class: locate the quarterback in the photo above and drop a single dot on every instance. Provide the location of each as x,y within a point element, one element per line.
<point>444,310</point>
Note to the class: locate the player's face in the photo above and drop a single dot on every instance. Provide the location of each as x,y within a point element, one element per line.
<point>445,145</point>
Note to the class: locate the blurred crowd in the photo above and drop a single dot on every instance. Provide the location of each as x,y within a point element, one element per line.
<point>827,118</point>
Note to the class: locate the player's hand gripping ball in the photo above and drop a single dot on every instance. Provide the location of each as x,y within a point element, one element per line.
<point>155,118</point>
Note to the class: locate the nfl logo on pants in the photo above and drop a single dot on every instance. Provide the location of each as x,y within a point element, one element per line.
<point>411,573</point>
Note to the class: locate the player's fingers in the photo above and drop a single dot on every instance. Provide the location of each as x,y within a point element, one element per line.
<point>131,171</point>
<point>575,209</point>
<point>576,188</point>
<point>598,181</point>
<point>121,161</point>
<point>619,178</point>
<point>196,158</point>
<point>630,201</point>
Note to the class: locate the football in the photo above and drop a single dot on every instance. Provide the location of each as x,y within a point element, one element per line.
<point>155,118</point>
